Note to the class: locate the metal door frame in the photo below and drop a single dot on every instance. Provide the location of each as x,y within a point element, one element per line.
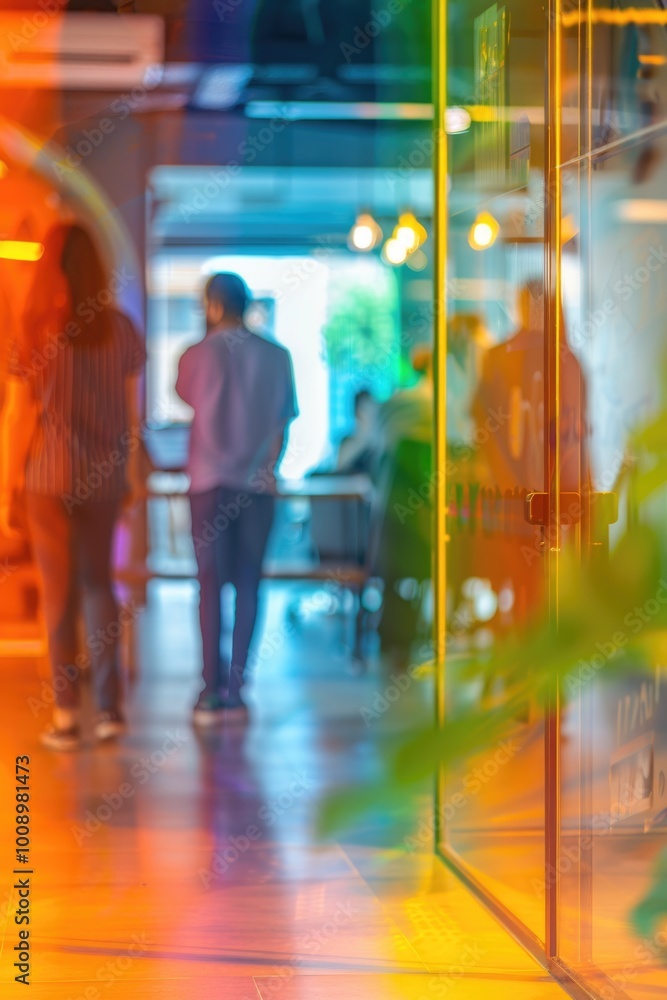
<point>546,954</point>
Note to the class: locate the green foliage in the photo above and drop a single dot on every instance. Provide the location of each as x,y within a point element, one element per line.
<point>361,333</point>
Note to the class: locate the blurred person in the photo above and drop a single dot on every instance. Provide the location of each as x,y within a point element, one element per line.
<point>74,372</point>
<point>512,427</point>
<point>241,389</point>
<point>356,452</point>
<point>511,390</point>
<point>467,343</point>
<point>401,523</point>
<point>408,414</point>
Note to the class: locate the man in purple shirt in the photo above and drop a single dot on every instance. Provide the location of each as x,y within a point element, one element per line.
<point>241,388</point>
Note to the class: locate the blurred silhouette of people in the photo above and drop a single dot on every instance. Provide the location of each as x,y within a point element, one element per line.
<point>241,388</point>
<point>509,416</point>
<point>357,451</point>
<point>467,343</point>
<point>75,369</point>
<point>511,390</point>
<point>401,524</point>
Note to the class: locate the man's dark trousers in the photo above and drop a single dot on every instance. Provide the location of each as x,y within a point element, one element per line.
<point>230,530</point>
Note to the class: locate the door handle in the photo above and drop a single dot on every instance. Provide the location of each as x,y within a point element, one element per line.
<point>536,508</point>
<point>601,508</point>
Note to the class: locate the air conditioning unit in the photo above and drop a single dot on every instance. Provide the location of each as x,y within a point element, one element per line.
<point>49,49</point>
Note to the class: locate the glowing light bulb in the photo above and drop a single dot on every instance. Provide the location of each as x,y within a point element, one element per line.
<point>457,120</point>
<point>483,234</point>
<point>407,237</point>
<point>365,233</point>
<point>484,231</point>
<point>362,237</point>
<point>394,252</point>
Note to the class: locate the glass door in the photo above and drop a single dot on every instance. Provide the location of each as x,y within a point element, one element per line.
<point>497,453</point>
<point>613,752</point>
<point>553,392</point>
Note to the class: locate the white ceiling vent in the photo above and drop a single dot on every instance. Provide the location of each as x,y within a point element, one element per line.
<point>79,51</point>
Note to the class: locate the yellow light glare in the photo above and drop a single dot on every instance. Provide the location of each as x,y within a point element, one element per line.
<point>4,169</point>
<point>484,231</point>
<point>20,250</point>
<point>407,237</point>
<point>483,234</point>
<point>651,60</point>
<point>632,15</point>
<point>394,252</point>
<point>365,233</point>
<point>410,231</point>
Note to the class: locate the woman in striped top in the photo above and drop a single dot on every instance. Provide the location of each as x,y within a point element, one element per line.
<point>76,367</point>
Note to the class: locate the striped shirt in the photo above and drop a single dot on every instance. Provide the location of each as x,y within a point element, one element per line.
<point>82,439</point>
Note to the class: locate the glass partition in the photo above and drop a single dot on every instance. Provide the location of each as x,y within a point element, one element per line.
<point>556,408</point>
<point>493,803</point>
<point>614,733</point>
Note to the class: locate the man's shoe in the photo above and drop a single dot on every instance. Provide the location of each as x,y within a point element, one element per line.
<point>208,711</point>
<point>109,725</point>
<point>61,739</point>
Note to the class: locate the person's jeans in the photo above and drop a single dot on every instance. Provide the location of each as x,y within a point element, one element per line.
<point>230,530</point>
<point>73,555</point>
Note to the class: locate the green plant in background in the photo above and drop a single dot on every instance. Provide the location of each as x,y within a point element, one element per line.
<point>361,335</point>
<point>527,669</point>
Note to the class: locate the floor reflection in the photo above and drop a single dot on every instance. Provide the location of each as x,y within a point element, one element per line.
<point>179,865</point>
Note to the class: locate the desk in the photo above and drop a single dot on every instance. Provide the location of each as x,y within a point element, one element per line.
<point>339,519</point>
<point>343,519</point>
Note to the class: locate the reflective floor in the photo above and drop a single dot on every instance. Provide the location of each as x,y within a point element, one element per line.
<point>179,866</point>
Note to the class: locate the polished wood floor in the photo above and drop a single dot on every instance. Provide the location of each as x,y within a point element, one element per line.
<point>183,867</point>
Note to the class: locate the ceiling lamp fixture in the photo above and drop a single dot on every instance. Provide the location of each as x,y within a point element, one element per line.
<point>483,232</point>
<point>365,234</point>
<point>394,252</point>
<point>410,232</point>
<point>457,120</point>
